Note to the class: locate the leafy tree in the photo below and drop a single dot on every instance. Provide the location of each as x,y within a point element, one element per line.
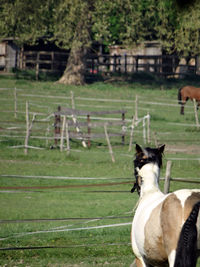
<point>74,24</point>
<point>25,20</point>
<point>72,30</point>
<point>187,32</point>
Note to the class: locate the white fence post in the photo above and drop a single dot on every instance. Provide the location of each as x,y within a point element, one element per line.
<point>15,99</point>
<point>136,107</point>
<point>108,141</point>
<point>131,133</point>
<point>195,112</point>
<point>27,130</point>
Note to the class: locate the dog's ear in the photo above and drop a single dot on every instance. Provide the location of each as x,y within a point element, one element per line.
<point>138,149</point>
<point>161,149</point>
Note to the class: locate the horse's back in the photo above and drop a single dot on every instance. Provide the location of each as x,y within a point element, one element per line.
<point>190,92</point>
<point>157,226</point>
<point>176,209</point>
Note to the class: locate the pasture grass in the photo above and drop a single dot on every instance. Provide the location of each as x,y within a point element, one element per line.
<point>39,198</point>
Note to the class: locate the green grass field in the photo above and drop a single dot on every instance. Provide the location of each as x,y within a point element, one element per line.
<point>83,222</point>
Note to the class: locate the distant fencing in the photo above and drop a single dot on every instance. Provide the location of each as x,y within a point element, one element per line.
<point>164,65</point>
<point>72,115</point>
<point>80,118</point>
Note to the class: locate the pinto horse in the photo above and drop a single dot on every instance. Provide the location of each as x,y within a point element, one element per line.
<point>188,92</point>
<point>165,228</point>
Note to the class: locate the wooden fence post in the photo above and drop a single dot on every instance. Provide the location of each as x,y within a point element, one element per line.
<point>123,132</point>
<point>108,141</point>
<point>136,107</point>
<point>57,126</point>
<point>52,61</point>
<point>37,66</point>
<point>155,139</point>
<point>167,177</point>
<point>125,63</point>
<point>47,134</point>
<point>27,130</point>
<point>136,63</point>
<point>131,133</point>
<point>195,112</point>
<point>15,99</point>
<point>62,133</point>
<point>67,137</point>
<point>75,120</point>
<point>144,131</point>
<point>72,100</point>
<point>115,62</point>
<point>89,130</point>
<point>148,128</point>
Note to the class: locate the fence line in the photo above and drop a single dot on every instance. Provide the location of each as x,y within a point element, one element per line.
<point>66,230</point>
<point>63,219</point>
<point>66,192</point>
<point>168,175</point>
<point>46,96</point>
<point>90,99</point>
<point>93,178</point>
<point>99,136</point>
<point>63,247</point>
<point>103,106</point>
<point>102,99</point>
<point>60,177</point>
<point>63,186</point>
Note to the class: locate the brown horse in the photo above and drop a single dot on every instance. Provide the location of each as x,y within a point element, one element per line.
<point>188,92</point>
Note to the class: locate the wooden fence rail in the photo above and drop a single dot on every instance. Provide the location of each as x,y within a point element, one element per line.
<point>68,112</point>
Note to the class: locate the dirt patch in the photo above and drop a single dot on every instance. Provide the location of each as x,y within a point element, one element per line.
<point>180,148</point>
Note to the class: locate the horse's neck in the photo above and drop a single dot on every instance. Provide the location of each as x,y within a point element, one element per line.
<point>150,184</point>
<point>149,188</point>
<point>149,175</point>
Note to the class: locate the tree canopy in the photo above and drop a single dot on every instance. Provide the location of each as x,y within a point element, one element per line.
<point>75,24</point>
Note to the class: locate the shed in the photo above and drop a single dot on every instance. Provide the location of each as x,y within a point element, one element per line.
<point>151,48</point>
<point>9,54</point>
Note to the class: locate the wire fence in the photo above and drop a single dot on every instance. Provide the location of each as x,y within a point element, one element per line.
<point>16,129</point>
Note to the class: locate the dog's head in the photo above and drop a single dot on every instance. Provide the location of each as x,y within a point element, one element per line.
<point>144,156</point>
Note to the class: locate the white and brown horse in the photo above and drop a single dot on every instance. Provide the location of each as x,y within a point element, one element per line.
<point>165,228</point>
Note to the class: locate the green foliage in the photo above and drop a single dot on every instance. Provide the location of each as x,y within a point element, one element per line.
<point>127,22</point>
<point>26,21</point>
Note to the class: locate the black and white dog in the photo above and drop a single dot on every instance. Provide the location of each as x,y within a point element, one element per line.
<point>144,156</point>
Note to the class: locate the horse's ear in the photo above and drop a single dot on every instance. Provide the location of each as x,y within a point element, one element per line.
<point>138,149</point>
<point>161,149</point>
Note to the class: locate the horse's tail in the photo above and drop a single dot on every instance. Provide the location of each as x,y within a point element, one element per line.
<point>179,95</point>
<point>186,252</point>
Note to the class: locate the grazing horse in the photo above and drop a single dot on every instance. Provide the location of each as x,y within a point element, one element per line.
<point>144,156</point>
<point>165,228</point>
<point>188,92</point>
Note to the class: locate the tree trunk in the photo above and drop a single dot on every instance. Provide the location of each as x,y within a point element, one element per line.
<point>74,72</point>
